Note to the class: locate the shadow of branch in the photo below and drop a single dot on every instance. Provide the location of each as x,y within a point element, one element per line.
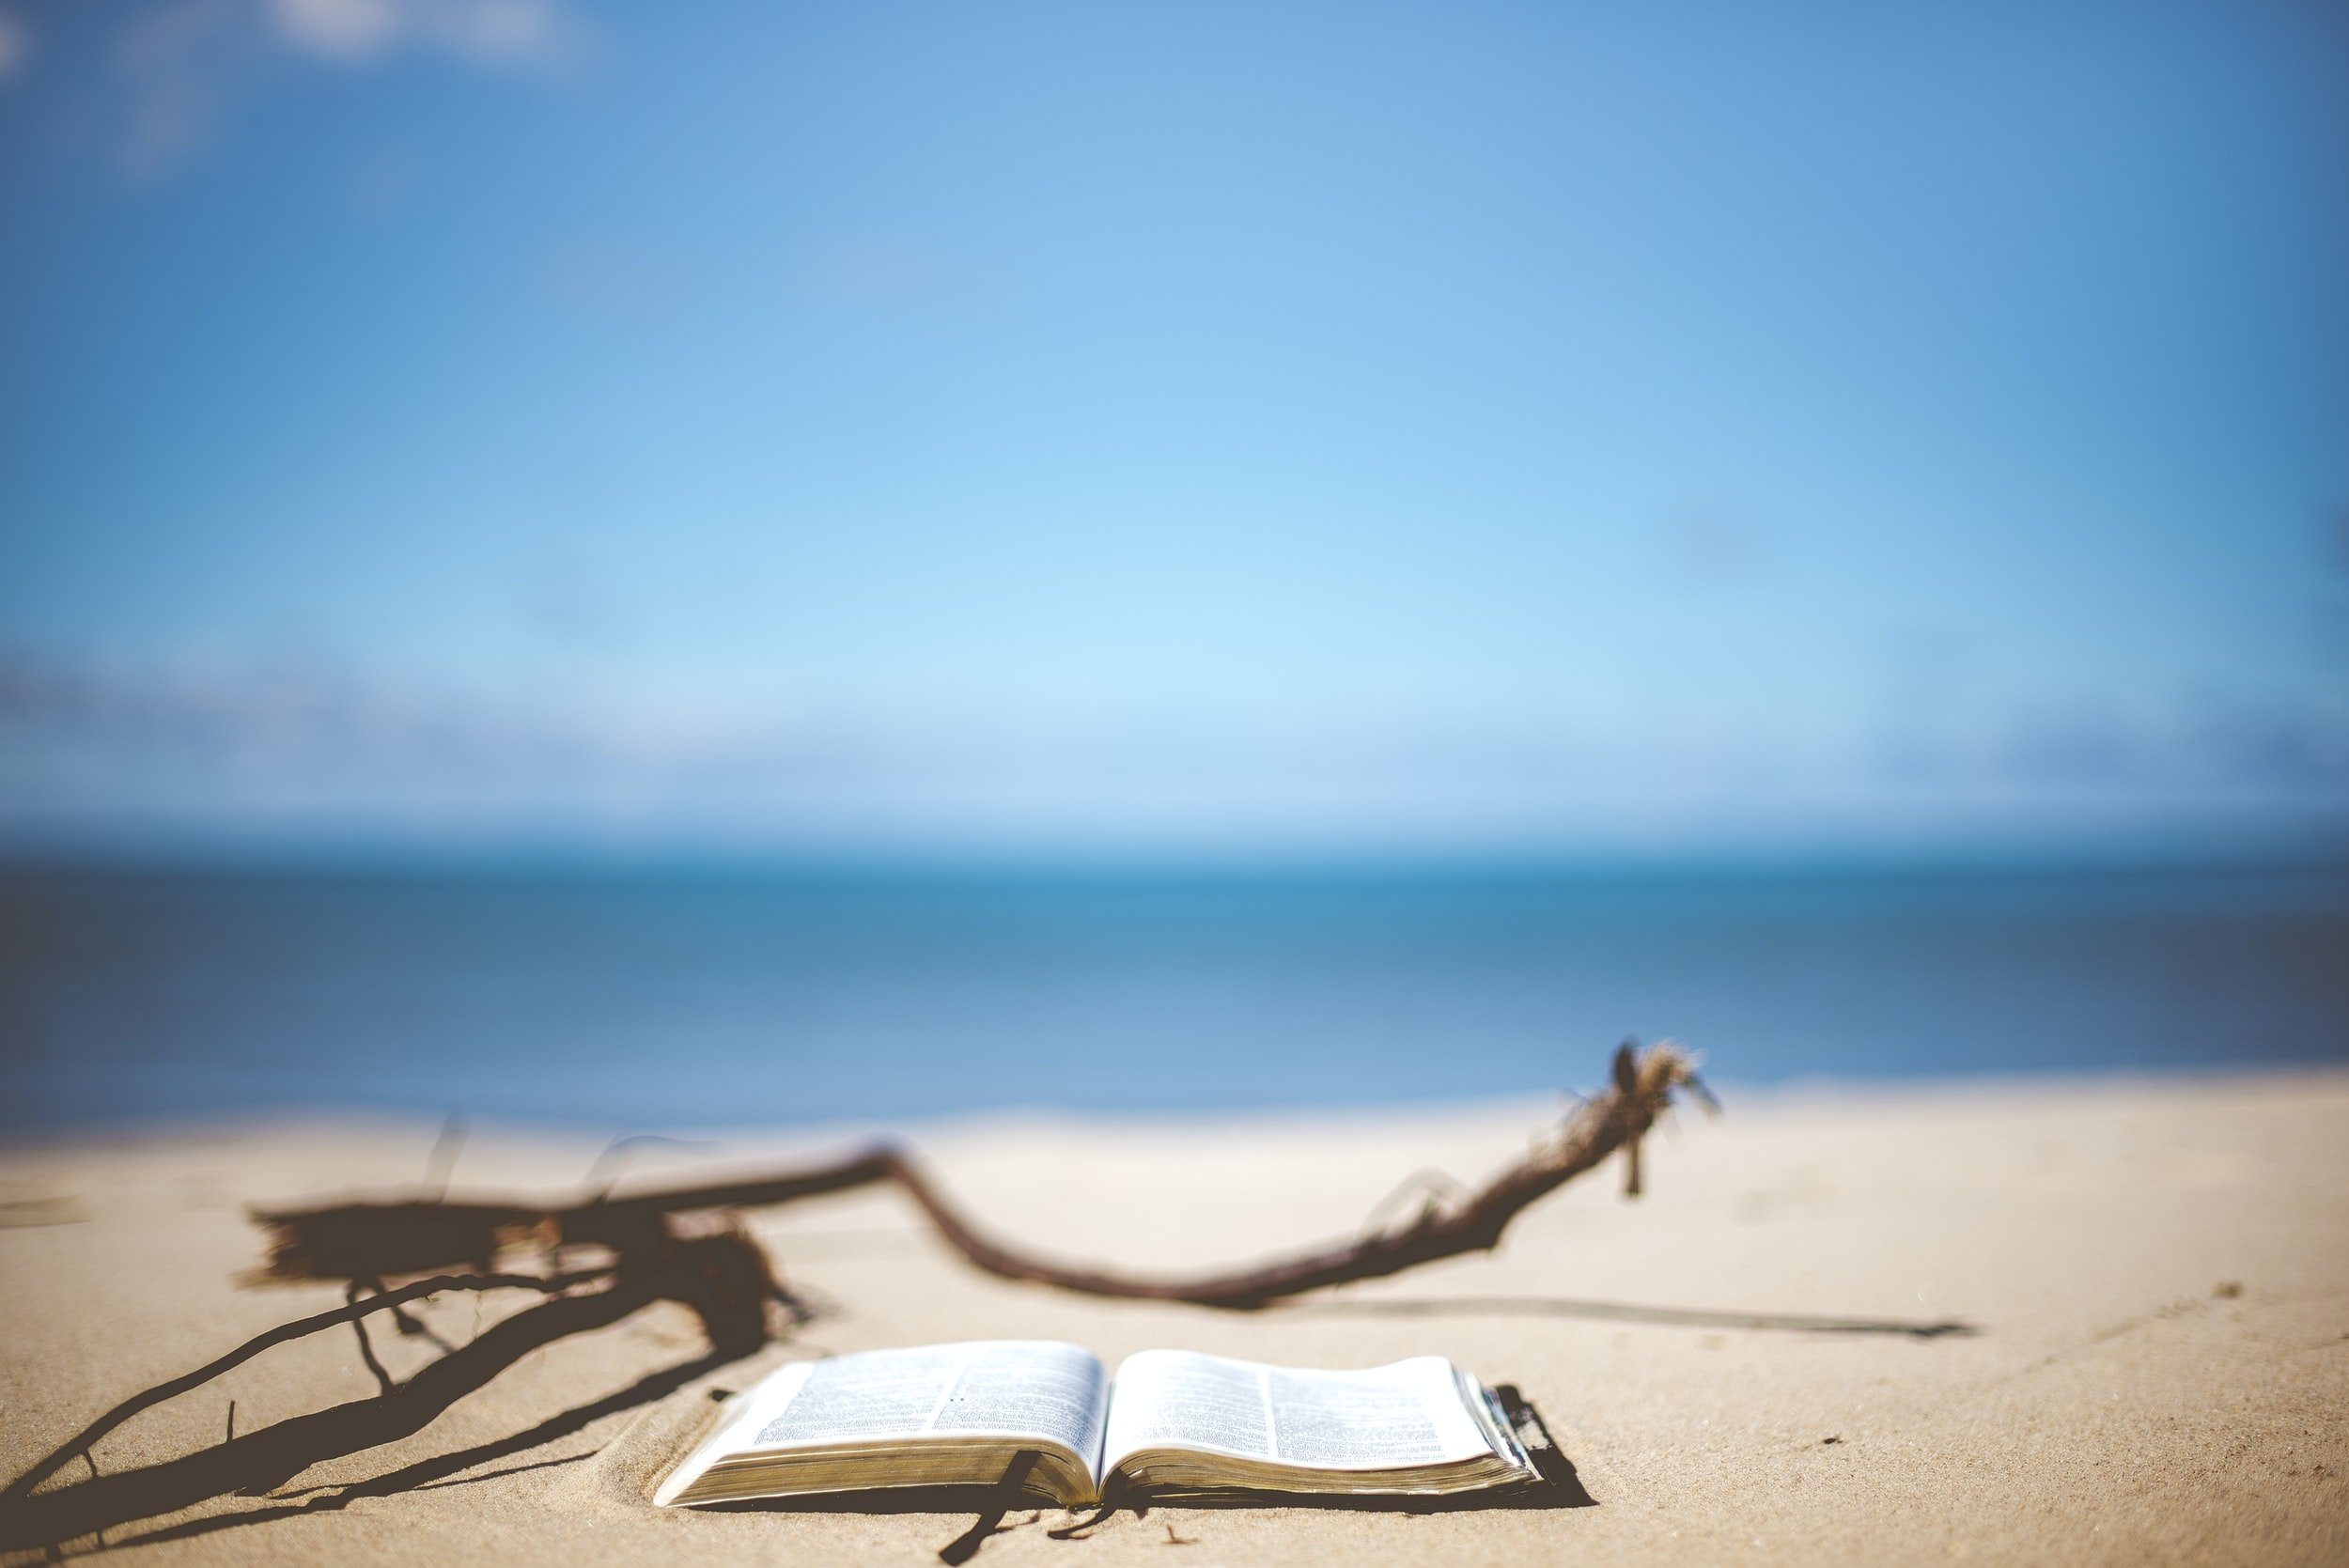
<point>1625,1311</point>
<point>433,1473</point>
<point>722,1278</point>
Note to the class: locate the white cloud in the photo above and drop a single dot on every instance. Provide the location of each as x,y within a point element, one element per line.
<point>97,747</point>
<point>341,29</point>
<point>487,32</point>
<point>16,45</point>
<point>177,61</point>
<point>183,62</point>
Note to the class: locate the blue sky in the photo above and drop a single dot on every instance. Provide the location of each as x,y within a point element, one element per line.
<point>1529,429</point>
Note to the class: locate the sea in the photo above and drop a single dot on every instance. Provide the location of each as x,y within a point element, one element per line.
<point>648,998</point>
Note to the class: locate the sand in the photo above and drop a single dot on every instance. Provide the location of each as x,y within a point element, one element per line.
<point>2157,1275</point>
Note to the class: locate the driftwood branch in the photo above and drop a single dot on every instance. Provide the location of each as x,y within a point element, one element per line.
<point>1616,1118</point>
<point>372,1240</point>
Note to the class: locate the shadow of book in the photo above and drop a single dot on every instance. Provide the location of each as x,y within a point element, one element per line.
<point>1555,1485</point>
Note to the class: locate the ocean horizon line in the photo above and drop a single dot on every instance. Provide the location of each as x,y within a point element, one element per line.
<point>590,861</point>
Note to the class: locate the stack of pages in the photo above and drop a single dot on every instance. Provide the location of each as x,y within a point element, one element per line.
<point>1172,1421</point>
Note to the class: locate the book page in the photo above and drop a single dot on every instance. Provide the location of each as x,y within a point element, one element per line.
<point>1409,1413</point>
<point>1177,1398</point>
<point>1012,1387</point>
<point>1385,1417</point>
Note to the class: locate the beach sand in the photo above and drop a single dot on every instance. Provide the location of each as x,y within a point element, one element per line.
<point>2156,1275</point>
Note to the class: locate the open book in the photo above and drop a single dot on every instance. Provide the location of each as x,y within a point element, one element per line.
<point>1173,1421</point>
